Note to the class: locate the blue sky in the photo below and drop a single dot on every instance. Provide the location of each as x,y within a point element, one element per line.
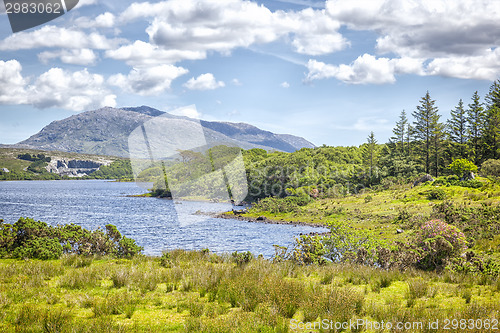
<point>330,71</point>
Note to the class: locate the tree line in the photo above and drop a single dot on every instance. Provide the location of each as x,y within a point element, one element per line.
<point>427,144</point>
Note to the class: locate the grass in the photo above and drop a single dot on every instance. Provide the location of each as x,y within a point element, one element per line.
<point>203,292</point>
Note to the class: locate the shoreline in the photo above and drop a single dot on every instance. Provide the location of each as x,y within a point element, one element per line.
<point>262,219</point>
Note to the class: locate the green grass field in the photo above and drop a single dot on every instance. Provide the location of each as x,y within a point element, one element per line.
<point>203,292</point>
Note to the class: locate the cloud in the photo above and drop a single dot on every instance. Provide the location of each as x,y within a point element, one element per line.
<point>82,57</point>
<point>366,69</point>
<point>148,81</point>
<point>73,91</point>
<point>105,20</point>
<point>82,3</point>
<point>188,111</point>
<point>12,83</point>
<point>457,37</point>
<point>221,26</point>
<point>54,37</point>
<point>483,67</point>
<point>236,82</point>
<point>145,54</point>
<point>285,85</point>
<point>204,82</point>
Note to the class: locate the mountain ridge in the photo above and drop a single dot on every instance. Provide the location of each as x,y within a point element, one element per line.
<point>105,131</point>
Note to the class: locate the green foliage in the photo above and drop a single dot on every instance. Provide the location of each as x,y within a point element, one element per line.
<point>462,167</point>
<point>43,248</point>
<point>242,258</point>
<point>119,169</point>
<point>491,168</point>
<point>439,241</point>
<point>436,194</point>
<point>282,205</point>
<point>343,244</point>
<point>454,180</point>
<point>28,238</point>
<point>33,158</point>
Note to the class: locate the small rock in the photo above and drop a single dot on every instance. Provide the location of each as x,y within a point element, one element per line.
<point>399,231</point>
<point>261,218</point>
<point>424,179</point>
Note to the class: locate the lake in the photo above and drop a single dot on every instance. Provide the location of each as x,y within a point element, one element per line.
<point>155,224</point>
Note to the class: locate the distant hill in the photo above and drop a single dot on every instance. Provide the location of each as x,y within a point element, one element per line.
<point>105,131</point>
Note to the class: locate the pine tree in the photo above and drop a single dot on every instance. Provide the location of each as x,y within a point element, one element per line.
<point>409,136</point>
<point>491,135</point>
<point>399,132</point>
<point>428,131</point>
<point>475,127</point>
<point>457,130</point>
<point>370,154</point>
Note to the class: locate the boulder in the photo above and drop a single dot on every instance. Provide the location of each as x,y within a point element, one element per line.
<point>424,179</point>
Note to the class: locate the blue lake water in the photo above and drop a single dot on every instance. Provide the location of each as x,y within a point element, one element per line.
<point>156,224</point>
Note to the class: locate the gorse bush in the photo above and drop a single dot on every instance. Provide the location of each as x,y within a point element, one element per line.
<point>436,194</point>
<point>282,205</point>
<point>439,241</point>
<point>28,238</point>
<point>491,168</point>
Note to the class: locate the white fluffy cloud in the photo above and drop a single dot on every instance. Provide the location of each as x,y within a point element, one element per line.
<point>75,91</point>
<point>455,36</point>
<point>213,25</point>
<point>105,20</point>
<point>145,54</point>
<point>365,69</point>
<point>204,82</point>
<point>147,81</point>
<point>82,57</point>
<point>12,83</point>
<point>285,85</point>
<point>188,111</point>
<point>54,37</point>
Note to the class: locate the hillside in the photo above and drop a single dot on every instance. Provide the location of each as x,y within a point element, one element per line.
<point>105,132</point>
<point>30,164</point>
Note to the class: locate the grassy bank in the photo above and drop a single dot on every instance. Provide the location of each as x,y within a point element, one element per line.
<point>385,211</point>
<point>203,292</point>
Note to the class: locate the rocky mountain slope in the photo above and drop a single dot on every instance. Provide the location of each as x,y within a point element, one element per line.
<point>105,132</point>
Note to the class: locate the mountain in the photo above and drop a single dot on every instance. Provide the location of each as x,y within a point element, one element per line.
<point>105,131</point>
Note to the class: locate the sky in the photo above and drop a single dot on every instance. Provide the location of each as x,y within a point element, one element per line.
<point>329,71</point>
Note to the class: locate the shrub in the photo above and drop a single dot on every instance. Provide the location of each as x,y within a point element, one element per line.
<point>282,205</point>
<point>462,167</point>
<point>242,258</point>
<point>491,168</point>
<point>28,238</point>
<point>43,248</point>
<point>436,194</point>
<point>439,241</point>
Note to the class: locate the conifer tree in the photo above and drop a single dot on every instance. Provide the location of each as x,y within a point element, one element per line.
<point>457,130</point>
<point>370,154</point>
<point>491,135</point>
<point>399,132</point>
<point>428,131</point>
<point>475,127</point>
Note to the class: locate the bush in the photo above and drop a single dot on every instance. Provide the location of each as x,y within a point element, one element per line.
<point>282,205</point>
<point>439,241</point>
<point>43,248</point>
<point>436,194</point>
<point>491,168</point>
<point>28,238</point>
<point>462,167</point>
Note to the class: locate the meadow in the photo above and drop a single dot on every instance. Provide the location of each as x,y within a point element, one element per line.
<point>198,291</point>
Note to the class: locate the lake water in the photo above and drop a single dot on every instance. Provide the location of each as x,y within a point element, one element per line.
<point>155,224</point>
